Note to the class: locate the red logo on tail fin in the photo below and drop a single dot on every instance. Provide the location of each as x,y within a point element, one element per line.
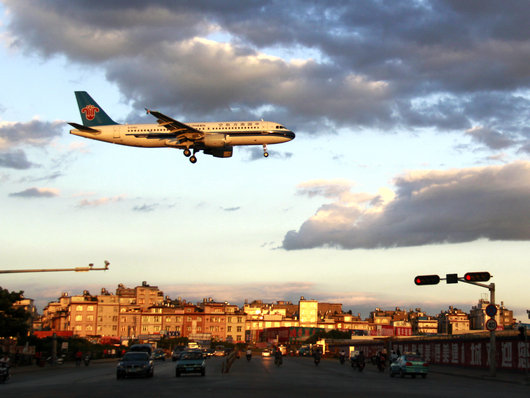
<point>90,111</point>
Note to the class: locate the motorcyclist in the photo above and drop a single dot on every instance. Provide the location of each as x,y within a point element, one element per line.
<point>342,357</point>
<point>249,354</point>
<point>4,365</point>
<point>88,356</point>
<point>278,356</point>
<point>360,361</point>
<point>317,355</point>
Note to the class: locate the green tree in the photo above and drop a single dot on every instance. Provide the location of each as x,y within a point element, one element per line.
<point>13,320</point>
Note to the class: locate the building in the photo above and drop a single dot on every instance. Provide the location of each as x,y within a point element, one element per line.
<point>308,313</point>
<point>478,316</point>
<point>453,321</point>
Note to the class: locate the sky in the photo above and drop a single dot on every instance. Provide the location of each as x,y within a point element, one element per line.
<point>411,156</point>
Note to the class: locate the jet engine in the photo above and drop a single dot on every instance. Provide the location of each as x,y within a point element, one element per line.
<point>216,140</point>
<point>224,152</point>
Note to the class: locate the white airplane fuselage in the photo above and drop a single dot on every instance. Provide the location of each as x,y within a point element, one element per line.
<point>217,134</point>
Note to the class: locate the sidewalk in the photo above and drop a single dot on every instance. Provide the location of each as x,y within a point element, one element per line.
<point>503,376</point>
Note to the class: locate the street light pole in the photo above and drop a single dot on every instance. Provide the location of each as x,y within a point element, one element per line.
<point>76,269</point>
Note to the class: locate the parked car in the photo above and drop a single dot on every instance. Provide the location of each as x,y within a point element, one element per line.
<point>135,363</point>
<point>191,362</point>
<point>409,364</point>
<point>159,354</point>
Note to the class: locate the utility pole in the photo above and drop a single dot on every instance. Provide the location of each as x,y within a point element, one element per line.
<point>76,269</point>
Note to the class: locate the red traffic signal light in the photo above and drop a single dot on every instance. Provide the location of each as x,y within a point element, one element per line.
<point>427,280</point>
<point>477,276</point>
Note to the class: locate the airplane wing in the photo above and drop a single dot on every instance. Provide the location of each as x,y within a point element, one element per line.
<point>175,129</point>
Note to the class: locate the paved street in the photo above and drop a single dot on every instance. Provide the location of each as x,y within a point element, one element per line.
<point>297,377</point>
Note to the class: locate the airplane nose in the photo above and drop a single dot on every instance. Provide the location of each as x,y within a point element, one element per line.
<point>290,135</point>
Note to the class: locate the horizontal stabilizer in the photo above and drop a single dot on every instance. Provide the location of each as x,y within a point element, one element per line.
<point>86,129</point>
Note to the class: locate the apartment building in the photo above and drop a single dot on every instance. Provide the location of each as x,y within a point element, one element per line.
<point>143,312</point>
<point>453,321</point>
<point>478,316</point>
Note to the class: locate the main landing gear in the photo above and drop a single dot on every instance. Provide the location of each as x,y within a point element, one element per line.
<point>265,153</point>
<point>187,153</point>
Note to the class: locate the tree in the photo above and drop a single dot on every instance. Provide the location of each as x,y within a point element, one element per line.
<point>13,320</point>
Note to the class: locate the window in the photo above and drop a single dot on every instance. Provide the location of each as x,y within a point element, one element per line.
<point>90,308</point>
<point>79,318</point>
<point>229,329</point>
<point>239,328</point>
<point>79,308</point>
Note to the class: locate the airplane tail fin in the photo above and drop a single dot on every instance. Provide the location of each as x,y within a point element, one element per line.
<point>91,113</point>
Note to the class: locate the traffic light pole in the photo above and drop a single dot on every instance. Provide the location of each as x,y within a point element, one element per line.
<point>493,351</point>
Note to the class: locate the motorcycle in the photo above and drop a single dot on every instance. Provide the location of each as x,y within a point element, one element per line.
<point>317,360</point>
<point>381,362</point>
<point>278,361</point>
<point>4,372</point>
<point>358,362</point>
<point>360,365</point>
<point>86,360</point>
<point>249,357</point>
<point>341,359</point>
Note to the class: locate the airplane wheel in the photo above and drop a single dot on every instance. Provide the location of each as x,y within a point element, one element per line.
<point>193,159</point>
<point>187,153</point>
<point>266,154</point>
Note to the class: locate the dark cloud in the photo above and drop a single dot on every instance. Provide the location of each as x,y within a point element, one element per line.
<point>442,64</point>
<point>146,208</point>
<point>428,207</point>
<point>231,209</point>
<point>36,193</point>
<point>15,160</point>
<point>34,133</point>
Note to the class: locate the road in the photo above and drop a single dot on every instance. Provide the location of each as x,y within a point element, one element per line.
<point>297,377</point>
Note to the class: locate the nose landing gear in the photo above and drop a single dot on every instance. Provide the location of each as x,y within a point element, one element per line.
<point>265,153</point>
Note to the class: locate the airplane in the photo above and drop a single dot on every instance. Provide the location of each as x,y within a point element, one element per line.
<point>214,138</point>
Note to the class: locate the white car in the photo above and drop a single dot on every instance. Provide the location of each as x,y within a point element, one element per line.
<point>266,353</point>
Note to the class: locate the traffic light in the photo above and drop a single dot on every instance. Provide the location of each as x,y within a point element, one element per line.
<point>451,278</point>
<point>477,276</point>
<point>427,280</point>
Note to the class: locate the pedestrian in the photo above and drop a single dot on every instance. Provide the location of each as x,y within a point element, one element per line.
<point>78,357</point>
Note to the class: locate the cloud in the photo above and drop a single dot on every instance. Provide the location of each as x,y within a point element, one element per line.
<point>428,207</point>
<point>442,65</point>
<point>491,138</point>
<point>15,160</point>
<point>239,293</point>
<point>36,193</point>
<point>146,208</point>
<point>35,133</point>
<point>231,209</point>
<point>100,201</point>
